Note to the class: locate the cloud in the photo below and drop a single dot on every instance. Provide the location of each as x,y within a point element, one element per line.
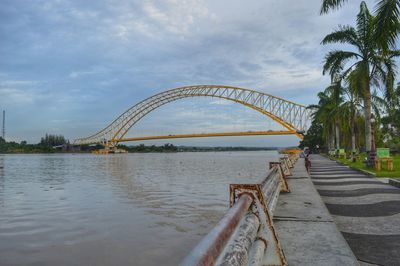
<point>221,102</point>
<point>175,16</point>
<point>88,61</point>
<point>15,96</point>
<point>158,19</point>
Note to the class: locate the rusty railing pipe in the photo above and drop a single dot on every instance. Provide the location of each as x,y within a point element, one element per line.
<point>210,248</point>
<point>238,248</point>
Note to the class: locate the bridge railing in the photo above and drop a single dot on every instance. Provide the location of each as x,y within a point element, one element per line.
<point>246,234</point>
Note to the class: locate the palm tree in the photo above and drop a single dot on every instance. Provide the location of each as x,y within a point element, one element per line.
<point>328,113</point>
<point>336,91</point>
<point>368,63</point>
<point>322,114</point>
<point>351,107</point>
<point>387,19</point>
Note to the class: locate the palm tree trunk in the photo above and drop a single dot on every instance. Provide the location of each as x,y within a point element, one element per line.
<point>332,138</point>
<point>353,135</point>
<point>353,129</point>
<point>367,114</point>
<point>328,143</point>
<point>353,138</point>
<point>337,133</point>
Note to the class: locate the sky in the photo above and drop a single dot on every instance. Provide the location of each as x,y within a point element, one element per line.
<point>71,67</point>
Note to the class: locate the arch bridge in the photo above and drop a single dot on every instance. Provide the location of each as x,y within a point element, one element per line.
<point>294,117</point>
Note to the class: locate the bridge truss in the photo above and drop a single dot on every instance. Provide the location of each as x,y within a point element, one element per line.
<point>294,117</point>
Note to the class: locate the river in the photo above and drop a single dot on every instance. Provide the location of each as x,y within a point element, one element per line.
<point>128,209</point>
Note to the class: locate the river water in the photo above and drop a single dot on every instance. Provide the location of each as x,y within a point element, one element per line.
<point>128,209</point>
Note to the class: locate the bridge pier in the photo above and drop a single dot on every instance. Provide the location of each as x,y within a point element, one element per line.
<point>109,150</point>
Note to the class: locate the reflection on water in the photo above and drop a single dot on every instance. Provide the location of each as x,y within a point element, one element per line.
<point>138,209</point>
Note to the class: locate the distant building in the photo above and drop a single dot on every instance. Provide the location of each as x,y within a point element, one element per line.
<point>68,148</point>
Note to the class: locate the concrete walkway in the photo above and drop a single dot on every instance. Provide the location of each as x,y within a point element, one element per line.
<point>365,210</point>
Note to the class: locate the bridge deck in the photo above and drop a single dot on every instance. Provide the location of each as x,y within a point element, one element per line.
<point>207,135</point>
<point>366,211</point>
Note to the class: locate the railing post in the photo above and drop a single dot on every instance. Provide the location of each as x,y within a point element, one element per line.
<point>282,176</point>
<point>285,167</point>
<point>288,161</point>
<point>265,202</point>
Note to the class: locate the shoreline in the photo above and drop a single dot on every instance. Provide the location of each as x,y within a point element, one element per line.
<point>183,151</point>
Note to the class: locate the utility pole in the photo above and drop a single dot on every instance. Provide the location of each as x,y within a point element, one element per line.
<point>4,125</point>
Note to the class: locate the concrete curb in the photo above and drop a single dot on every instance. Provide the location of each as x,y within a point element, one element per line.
<point>306,230</point>
<point>394,182</point>
<point>361,170</point>
<point>351,167</point>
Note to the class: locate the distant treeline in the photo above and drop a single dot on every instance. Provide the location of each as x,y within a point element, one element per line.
<point>204,149</point>
<point>172,148</point>
<point>46,145</point>
<point>52,140</point>
<point>153,148</point>
<point>58,143</point>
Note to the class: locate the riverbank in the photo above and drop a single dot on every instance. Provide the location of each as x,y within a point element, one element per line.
<point>16,148</point>
<point>359,165</point>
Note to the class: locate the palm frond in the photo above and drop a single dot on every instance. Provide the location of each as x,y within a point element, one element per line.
<point>387,23</point>
<point>345,34</point>
<point>335,60</point>
<point>389,77</point>
<point>393,53</point>
<point>331,4</point>
<point>355,80</point>
<point>364,25</point>
<point>379,104</point>
<point>312,106</point>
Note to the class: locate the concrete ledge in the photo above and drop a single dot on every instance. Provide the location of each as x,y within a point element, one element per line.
<point>394,182</point>
<point>362,171</point>
<point>356,169</point>
<point>306,230</point>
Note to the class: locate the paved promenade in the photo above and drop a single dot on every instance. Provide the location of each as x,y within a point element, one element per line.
<point>307,232</point>
<point>366,211</point>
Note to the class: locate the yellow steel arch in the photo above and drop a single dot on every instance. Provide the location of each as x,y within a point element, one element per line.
<point>294,117</point>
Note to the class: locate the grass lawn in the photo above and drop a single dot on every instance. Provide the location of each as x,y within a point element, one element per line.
<point>383,173</point>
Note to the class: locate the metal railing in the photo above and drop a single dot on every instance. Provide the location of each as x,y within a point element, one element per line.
<point>246,234</point>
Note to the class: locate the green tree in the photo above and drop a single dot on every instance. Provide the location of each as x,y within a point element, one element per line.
<point>322,115</point>
<point>314,138</point>
<point>391,122</point>
<point>336,99</point>
<point>371,67</point>
<point>387,20</point>
<point>351,107</point>
<point>329,113</point>
<point>50,140</point>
